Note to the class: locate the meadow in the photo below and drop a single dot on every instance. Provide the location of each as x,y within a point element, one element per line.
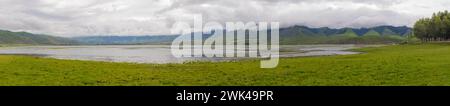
<point>402,65</point>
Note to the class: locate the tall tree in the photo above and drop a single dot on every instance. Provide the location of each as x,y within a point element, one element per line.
<point>436,28</point>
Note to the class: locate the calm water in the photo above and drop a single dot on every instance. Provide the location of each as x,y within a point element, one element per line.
<point>156,53</point>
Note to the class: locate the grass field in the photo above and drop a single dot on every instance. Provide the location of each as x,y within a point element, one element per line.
<point>421,64</point>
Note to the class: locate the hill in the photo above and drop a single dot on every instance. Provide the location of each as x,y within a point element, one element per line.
<point>374,35</point>
<point>125,40</point>
<point>8,37</point>
<point>288,35</point>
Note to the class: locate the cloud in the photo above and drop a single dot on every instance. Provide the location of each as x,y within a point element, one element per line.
<point>149,17</point>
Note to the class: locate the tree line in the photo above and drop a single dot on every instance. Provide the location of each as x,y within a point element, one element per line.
<point>436,28</point>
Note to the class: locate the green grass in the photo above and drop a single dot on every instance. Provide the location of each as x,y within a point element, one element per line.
<point>422,64</point>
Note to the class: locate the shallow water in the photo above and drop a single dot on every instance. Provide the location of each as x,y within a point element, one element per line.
<point>156,53</point>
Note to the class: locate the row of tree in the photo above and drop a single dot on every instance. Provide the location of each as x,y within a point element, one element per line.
<point>436,28</point>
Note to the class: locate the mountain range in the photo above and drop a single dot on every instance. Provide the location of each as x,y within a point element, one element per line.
<point>288,35</point>
<point>325,35</point>
<point>325,31</point>
<point>9,37</point>
<point>125,40</point>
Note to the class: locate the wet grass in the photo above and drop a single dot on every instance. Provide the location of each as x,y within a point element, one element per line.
<point>420,64</point>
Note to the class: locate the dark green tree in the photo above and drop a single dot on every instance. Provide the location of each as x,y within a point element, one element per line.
<point>436,28</point>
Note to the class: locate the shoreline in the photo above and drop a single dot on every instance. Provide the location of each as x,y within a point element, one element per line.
<point>296,51</point>
<point>368,69</point>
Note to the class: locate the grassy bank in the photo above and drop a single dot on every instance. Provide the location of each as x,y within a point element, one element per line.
<point>423,64</point>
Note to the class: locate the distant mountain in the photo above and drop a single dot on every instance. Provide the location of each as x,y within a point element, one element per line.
<point>372,33</point>
<point>325,31</point>
<point>348,33</point>
<point>388,32</point>
<point>9,37</point>
<point>288,35</point>
<point>325,35</point>
<point>125,40</point>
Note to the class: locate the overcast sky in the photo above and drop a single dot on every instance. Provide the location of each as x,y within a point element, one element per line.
<point>149,17</point>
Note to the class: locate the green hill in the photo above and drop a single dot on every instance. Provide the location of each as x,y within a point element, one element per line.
<point>388,32</point>
<point>8,37</point>
<point>372,33</point>
<point>348,33</point>
<point>288,35</point>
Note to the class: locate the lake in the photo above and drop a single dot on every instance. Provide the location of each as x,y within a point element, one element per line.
<point>157,53</point>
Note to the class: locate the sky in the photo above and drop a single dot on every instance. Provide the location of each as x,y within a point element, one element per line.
<point>69,18</point>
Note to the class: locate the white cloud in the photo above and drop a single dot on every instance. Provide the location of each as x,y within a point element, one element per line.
<point>145,17</point>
